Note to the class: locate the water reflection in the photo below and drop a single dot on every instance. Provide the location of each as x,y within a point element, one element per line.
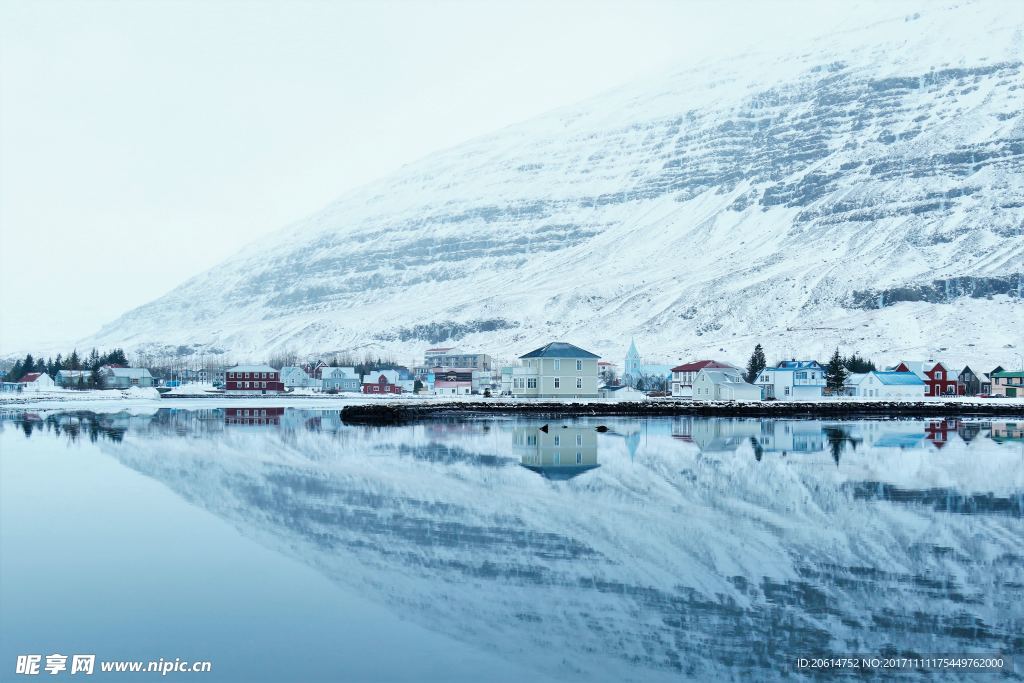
<point>559,452</point>
<point>699,548</point>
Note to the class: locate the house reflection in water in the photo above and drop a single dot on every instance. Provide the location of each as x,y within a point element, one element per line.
<point>716,435</point>
<point>253,416</point>
<point>1003,432</point>
<point>558,453</point>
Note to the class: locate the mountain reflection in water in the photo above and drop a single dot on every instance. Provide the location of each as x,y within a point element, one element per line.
<point>664,548</point>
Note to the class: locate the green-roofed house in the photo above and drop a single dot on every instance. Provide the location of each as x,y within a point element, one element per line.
<point>557,370</point>
<point>1009,384</point>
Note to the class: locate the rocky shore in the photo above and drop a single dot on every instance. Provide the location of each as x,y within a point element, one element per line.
<point>390,413</point>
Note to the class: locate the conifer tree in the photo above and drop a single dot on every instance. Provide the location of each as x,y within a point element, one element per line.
<point>835,373</point>
<point>756,364</point>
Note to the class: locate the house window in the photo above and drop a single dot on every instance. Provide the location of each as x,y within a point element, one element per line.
<point>558,382</point>
<point>579,458</point>
<point>938,374</point>
<point>579,382</point>
<point>531,383</point>
<point>579,439</point>
<point>558,441</point>
<point>579,366</point>
<point>558,364</point>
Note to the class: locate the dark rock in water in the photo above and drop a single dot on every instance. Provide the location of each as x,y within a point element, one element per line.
<point>544,429</point>
<point>601,428</point>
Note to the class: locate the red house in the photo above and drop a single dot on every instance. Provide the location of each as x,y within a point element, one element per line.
<point>382,382</point>
<point>683,375</point>
<point>938,379</point>
<point>252,380</point>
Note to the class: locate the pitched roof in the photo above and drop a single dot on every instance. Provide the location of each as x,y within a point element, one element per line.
<point>723,376</point>
<point>134,373</point>
<point>699,365</point>
<point>798,365</point>
<point>251,368</point>
<point>30,377</point>
<point>559,350</point>
<point>902,378</point>
<point>1009,373</point>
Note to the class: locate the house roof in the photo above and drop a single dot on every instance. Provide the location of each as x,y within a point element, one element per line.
<point>797,365</point>
<point>699,365</point>
<point>252,368</point>
<point>559,350</point>
<point>901,378</point>
<point>723,376</point>
<point>30,377</point>
<point>1009,373</point>
<point>75,373</point>
<point>920,367</point>
<point>134,373</point>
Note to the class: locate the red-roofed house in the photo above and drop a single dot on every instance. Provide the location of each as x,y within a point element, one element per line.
<point>683,376</point>
<point>36,381</point>
<point>938,379</point>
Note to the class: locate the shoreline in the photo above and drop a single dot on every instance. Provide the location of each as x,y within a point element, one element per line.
<point>391,413</point>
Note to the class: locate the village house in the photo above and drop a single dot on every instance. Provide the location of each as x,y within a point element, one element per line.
<point>891,385</point>
<point>453,381</point>
<point>294,377</point>
<point>938,379</point>
<point>116,377</point>
<point>793,380</point>
<point>1008,384</point>
<point>557,370</point>
<point>683,376</point>
<point>723,384</point>
<point>72,379</point>
<point>340,379</point>
<point>621,392</point>
<point>382,382</point>
<point>449,357</point>
<point>36,381</point>
<point>986,380</point>
<point>969,381</point>
<point>252,380</point>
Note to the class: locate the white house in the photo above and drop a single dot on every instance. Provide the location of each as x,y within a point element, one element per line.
<point>723,384</point>
<point>683,376</point>
<point>621,393</point>
<point>295,377</point>
<point>793,379</point>
<point>36,381</point>
<point>891,385</point>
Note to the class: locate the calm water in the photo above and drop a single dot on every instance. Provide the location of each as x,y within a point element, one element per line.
<point>291,547</point>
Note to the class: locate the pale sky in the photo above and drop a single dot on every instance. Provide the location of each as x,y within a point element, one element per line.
<point>143,142</point>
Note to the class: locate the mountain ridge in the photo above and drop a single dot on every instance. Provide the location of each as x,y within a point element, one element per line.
<point>820,185</point>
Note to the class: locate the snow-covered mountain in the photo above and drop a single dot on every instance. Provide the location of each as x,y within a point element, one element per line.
<point>865,190</point>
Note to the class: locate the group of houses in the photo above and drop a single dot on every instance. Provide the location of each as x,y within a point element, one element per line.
<point>560,370</point>
<point>107,377</point>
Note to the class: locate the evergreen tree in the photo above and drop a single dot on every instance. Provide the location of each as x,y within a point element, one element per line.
<point>756,364</point>
<point>27,365</point>
<point>856,364</point>
<point>835,373</point>
<point>59,363</point>
<point>15,373</point>
<point>74,363</point>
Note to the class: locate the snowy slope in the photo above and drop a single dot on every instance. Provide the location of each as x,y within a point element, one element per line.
<point>866,190</point>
